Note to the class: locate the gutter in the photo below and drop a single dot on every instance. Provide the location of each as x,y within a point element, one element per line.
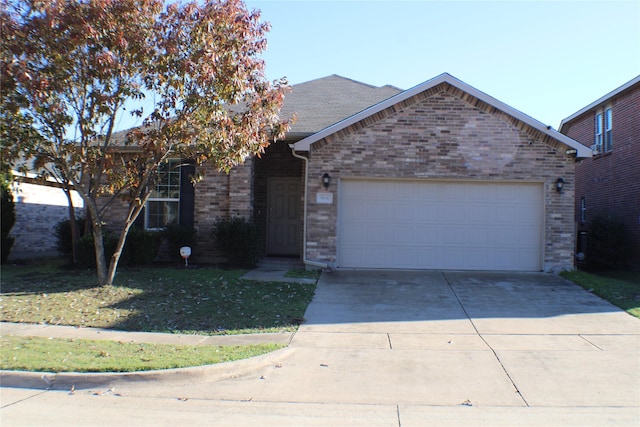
<point>304,219</point>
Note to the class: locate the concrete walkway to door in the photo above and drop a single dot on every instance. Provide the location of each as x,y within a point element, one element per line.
<point>413,349</point>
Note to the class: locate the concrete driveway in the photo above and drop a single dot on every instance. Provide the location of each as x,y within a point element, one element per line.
<point>490,339</point>
<point>417,348</point>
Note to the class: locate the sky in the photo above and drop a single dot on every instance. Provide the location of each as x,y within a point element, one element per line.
<point>547,59</point>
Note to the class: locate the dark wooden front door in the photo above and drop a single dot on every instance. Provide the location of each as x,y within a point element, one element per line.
<point>283,232</point>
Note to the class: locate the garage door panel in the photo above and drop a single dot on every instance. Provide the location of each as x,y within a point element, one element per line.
<point>440,225</point>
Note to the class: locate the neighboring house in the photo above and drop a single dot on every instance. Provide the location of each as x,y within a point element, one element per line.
<point>39,208</point>
<point>440,176</point>
<point>608,183</point>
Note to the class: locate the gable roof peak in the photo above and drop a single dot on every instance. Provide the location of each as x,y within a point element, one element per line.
<point>305,144</point>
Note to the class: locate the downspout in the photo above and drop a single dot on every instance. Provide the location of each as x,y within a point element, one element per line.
<point>304,217</point>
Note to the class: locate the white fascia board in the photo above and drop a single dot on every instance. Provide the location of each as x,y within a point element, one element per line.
<point>601,100</point>
<point>305,144</point>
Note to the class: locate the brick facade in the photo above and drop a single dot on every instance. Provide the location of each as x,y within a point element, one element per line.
<point>610,182</point>
<point>444,134</point>
<point>39,209</point>
<point>217,196</point>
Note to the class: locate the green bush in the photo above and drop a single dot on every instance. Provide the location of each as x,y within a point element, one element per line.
<point>8,210</point>
<point>608,244</point>
<point>87,253</point>
<point>63,234</point>
<point>239,241</point>
<point>142,246</point>
<point>178,236</point>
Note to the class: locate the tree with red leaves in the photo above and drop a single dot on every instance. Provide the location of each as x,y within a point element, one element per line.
<point>69,67</point>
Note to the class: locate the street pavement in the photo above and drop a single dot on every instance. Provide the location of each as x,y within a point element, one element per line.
<point>389,348</point>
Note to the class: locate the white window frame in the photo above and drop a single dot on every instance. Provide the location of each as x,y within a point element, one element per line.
<point>608,126</point>
<point>164,181</point>
<point>603,140</point>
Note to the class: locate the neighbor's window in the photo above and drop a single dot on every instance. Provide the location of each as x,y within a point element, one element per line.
<point>164,203</point>
<point>603,139</point>
<point>583,209</point>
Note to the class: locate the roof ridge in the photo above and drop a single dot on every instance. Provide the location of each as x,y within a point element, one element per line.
<point>347,79</point>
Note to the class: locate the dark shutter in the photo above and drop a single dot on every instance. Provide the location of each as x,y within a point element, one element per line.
<point>187,193</point>
<point>139,222</point>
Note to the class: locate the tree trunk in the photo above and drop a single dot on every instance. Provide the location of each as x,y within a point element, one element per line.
<point>74,227</point>
<point>134,210</point>
<point>98,239</point>
<point>98,244</point>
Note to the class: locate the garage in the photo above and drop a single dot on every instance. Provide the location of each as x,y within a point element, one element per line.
<point>420,224</point>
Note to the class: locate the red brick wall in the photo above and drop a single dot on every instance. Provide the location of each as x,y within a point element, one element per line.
<point>610,182</point>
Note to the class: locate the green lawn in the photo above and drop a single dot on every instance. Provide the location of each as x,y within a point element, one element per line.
<point>207,301</point>
<point>621,288</point>
<point>68,355</point>
<point>204,301</point>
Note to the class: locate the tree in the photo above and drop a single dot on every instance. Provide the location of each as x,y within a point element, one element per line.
<point>76,65</point>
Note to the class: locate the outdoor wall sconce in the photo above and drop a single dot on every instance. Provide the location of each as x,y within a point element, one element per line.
<point>326,180</point>
<point>559,185</point>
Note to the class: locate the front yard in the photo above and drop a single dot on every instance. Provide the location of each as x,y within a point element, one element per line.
<point>205,301</point>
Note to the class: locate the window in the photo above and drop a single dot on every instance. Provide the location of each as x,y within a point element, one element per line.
<point>164,204</point>
<point>583,209</point>
<point>608,142</point>
<point>603,132</point>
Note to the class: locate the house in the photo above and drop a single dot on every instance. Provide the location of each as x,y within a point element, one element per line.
<point>608,183</point>
<point>39,207</point>
<point>268,188</point>
<point>440,176</point>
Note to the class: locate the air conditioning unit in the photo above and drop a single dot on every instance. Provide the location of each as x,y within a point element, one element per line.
<point>596,149</point>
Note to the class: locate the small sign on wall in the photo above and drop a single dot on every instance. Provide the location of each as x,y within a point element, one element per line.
<point>324,198</point>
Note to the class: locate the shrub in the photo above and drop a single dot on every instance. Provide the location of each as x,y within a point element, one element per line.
<point>63,234</point>
<point>239,241</point>
<point>87,253</point>
<point>8,219</point>
<point>178,236</point>
<point>142,246</point>
<point>607,244</point>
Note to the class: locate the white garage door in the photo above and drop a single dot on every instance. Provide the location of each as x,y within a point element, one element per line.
<point>440,225</point>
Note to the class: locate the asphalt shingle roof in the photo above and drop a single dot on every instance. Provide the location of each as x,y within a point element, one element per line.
<point>322,102</point>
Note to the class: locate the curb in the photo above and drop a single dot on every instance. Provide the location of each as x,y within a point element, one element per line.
<point>77,381</point>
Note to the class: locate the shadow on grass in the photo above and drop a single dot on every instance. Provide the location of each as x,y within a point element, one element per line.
<point>169,299</point>
<point>45,276</point>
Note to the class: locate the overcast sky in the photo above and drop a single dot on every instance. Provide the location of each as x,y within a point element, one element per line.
<point>547,59</point>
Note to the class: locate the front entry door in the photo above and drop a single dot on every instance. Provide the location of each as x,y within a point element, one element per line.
<point>283,232</point>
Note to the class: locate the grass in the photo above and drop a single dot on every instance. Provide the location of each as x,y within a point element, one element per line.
<point>300,273</point>
<point>68,355</point>
<point>621,288</point>
<point>205,301</point>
